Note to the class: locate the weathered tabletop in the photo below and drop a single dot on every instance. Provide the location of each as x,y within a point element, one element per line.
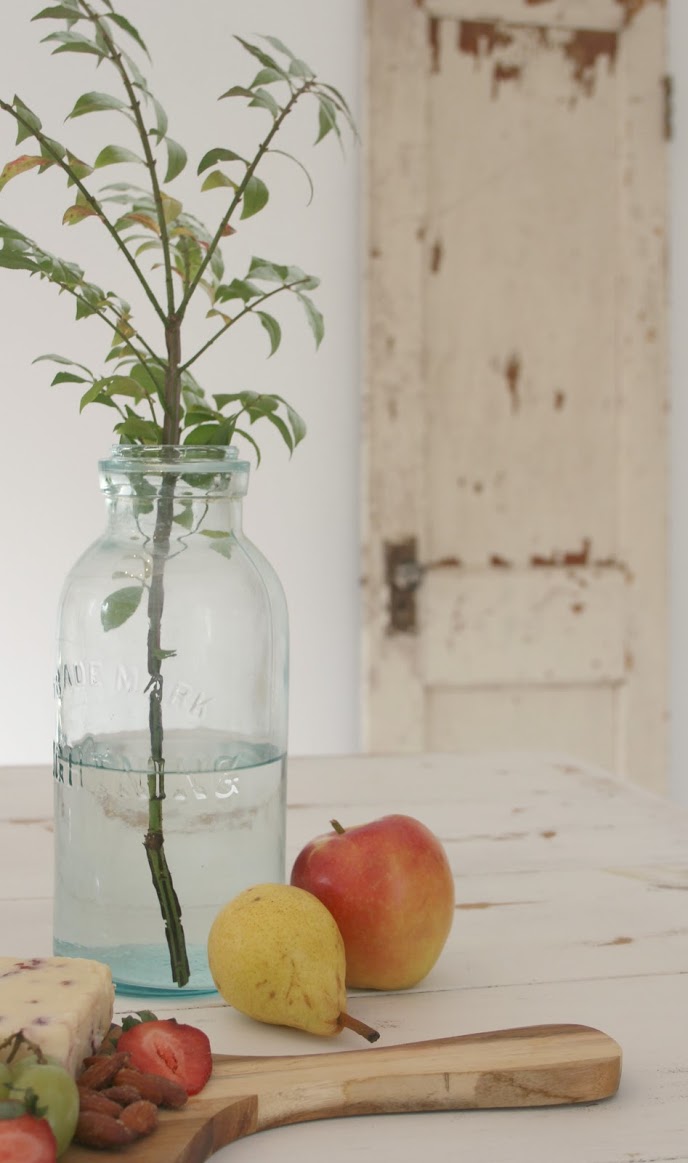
<point>572,906</point>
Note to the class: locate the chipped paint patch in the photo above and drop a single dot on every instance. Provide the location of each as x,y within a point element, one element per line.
<point>566,557</point>
<point>584,48</point>
<point>631,8</point>
<point>502,73</point>
<point>512,375</point>
<point>480,38</point>
<point>434,43</point>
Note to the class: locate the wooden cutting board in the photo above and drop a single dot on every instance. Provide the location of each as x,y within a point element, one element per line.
<point>532,1066</point>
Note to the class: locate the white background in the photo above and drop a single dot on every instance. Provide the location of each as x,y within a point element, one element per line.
<point>302,513</point>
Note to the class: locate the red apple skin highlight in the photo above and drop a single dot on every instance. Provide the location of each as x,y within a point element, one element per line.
<point>390,889</point>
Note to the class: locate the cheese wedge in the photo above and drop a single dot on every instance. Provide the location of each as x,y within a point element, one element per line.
<point>62,1004</point>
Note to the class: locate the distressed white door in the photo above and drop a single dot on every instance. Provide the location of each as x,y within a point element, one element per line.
<point>515,421</point>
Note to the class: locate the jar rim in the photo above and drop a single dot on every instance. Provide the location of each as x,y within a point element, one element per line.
<point>170,458</point>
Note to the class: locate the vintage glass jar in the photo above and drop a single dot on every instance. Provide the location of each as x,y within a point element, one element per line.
<point>171,686</point>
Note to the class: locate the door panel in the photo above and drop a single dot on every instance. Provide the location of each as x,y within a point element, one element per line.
<point>515,418</point>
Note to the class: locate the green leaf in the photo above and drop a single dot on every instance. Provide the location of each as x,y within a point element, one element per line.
<point>237,289</point>
<point>299,68</point>
<point>73,42</point>
<point>141,1016</point>
<point>266,77</point>
<point>75,214</point>
<point>136,428</point>
<point>296,422</point>
<point>264,100</point>
<point>128,27</point>
<point>67,378</point>
<point>255,197</point>
<point>227,398</point>
<point>273,329</point>
<point>327,118</point>
<point>282,429</point>
<point>121,386</point>
<point>238,91</point>
<point>247,436</point>
<point>184,517</point>
<point>176,159</point>
<point>220,542</point>
<point>171,207</point>
<point>160,117</point>
<point>314,317</point>
<point>96,103</point>
<point>215,179</point>
<point>265,59</point>
<point>218,154</point>
<point>270,272</point>
<point>209,434</point>
<point>62,359</point>
<point>33,122</point>
<point>95,395</point>
<point>52,149</point>
<point>79,169</point>
<point>119,606</point>
<point>280,46</point>
<point>58,12</point>
<point>112,154</point>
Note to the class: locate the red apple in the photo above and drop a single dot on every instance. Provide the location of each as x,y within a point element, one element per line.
<point>390,889</point>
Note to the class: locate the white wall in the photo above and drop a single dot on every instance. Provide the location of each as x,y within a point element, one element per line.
<point>303,514</point>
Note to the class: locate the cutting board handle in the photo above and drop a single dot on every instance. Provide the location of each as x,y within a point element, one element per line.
<point>531,1066</point>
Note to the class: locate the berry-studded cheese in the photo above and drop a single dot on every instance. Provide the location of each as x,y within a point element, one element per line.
<point>62,1004</point>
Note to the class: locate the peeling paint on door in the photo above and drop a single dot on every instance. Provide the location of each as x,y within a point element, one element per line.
<point>584,48</point>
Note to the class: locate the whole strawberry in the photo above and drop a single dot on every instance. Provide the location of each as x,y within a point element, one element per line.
<point>25,1138</point>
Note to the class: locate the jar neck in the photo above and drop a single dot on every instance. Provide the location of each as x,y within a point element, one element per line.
<point>170,492</point>
<point>130,516</point>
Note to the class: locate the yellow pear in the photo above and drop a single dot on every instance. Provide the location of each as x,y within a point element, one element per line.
<point>276,954</point>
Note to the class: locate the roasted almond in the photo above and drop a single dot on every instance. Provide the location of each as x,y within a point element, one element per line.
<point>101,1070</point>
<point>153,1087</point>
<point>95,1100</point>
<point>141,1117</point>
<point>124,1095</point>
<point>101,1131</point>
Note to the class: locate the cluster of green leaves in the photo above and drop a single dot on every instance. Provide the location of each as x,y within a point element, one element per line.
<point>150,385</point>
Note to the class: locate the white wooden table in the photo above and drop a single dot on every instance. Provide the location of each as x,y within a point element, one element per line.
<point>572,906</point>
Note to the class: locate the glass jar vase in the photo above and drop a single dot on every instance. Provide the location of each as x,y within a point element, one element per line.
<point>171,688</point>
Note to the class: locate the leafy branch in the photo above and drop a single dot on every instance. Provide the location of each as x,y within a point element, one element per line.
<point>157,399</point>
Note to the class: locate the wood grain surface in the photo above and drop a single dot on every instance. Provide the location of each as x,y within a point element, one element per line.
<point>544,1065</point>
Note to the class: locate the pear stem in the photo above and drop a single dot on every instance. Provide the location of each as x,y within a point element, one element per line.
<point>358,1027</point>
<point>338,827</point>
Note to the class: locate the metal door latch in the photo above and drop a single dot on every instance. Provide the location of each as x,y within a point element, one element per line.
<point>403,575</point>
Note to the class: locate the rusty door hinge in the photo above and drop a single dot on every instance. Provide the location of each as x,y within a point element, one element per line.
<point>403,575</point>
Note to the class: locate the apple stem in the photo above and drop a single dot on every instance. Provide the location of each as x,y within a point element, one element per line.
<point>358,1027</point>
<point>338,827</point>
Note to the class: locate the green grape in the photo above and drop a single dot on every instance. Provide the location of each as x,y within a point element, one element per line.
<point>5,1080</point>
<point>57,1098</point>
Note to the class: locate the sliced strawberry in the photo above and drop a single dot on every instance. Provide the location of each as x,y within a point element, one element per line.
<point>171,1049</point>
<point>28,1139</point>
